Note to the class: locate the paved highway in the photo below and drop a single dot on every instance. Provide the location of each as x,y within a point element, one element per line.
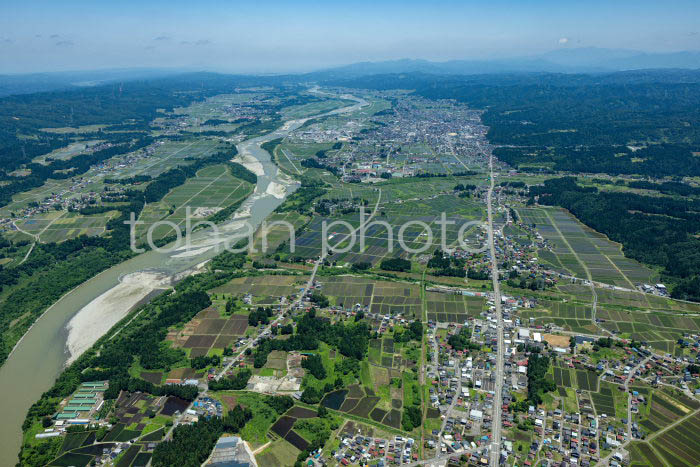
<point>497,399</point>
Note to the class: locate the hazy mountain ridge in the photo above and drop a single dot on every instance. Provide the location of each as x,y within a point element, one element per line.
<point>582,60</point>
<point>579,61</point>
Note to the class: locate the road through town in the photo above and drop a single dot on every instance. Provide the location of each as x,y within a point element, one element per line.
<point>497,400</point>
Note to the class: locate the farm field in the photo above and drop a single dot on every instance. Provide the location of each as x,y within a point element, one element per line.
<point>208,331</point>
<point>383,297</point>
<point>625,313</point>
<point>570,316</point>
<point>664,409</point>
<point>276,234</point>
<point>278,453</point>
<point>377,238</point>
<point>679,445</point>
<point>68,151</point>
<point>170,154</point>
<point>166,156</point>
<point>314,108</point>
<point>213,107</point>
<point>578,249</point>
<point>660,330</point>
<point>266,290</point>
<point>213,188</point>
<point>56,226</point>
<point>452,308</point>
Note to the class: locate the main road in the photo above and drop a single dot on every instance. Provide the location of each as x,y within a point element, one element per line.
<point>497,399</point>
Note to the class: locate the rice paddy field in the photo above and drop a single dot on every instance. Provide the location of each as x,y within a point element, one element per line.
<point>664,408</point>
<point>56,226</point>
<point>170,154</point>
<point>264,289</point>
<point>578,249</point>
<point>679,445</point>
<point>208,331</point>
<point>62,225</point>
<point>660,329</point>
<point>381,241</point>
<point>212,189</point>
<point>383,297</point>
<point>314,108</point>
<point>452,308</point>
<point>570,316</point>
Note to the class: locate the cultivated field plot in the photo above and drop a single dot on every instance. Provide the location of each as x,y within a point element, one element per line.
<point>215,106</point>
<point>384,297</point>
<point>167,155</point>
<point>604,401</point>
<point>562,377</point>
<point>642,454</point>
<point>570,316</point>
<point>265,289</point>
<point>289,155</point>
<point>278,453</point>
<point>67,152</point>
<point>361,403</point>
<point>171,154</point>
<point>72,225</point>
<point>314,108</point>
<point>381,241</point>
<point>587,380</point>
<point>68,188</point>
<point>624,298</point>
<point>213,188</point>
<point>452,308</point>
<point>679,445</point>
<point>276,234</point>
<point>296,440</point>
<point>664,409</point>
<point>578,248</point>
<point>357,192</point>
<point>579,292</point>
<point>660,330</point>
<point>56,226</point>
<point>347,291</point>
<point>397,298</point>
<point>207,331</point>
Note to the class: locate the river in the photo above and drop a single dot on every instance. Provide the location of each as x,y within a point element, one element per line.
<point>76,320</point>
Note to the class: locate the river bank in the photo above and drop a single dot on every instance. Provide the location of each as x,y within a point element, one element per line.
<point>98,317</point>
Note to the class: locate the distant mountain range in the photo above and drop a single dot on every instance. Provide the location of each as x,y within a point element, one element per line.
<point>565,60</point>
<point>40,82</point>
<point>580,60</point>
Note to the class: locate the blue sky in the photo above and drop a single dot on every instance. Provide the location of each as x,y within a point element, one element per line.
<point>275,36</point>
